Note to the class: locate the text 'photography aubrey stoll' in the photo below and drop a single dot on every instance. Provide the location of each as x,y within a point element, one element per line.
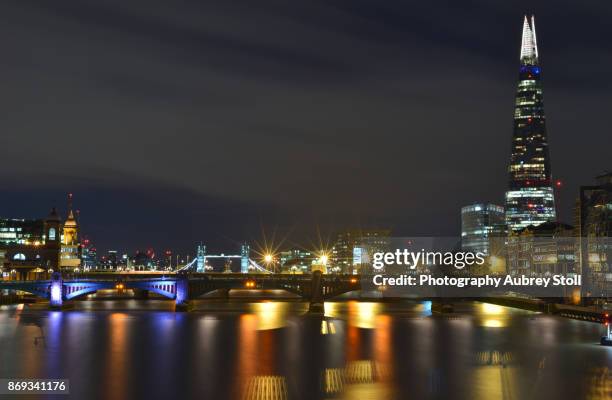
<point>435,267</point>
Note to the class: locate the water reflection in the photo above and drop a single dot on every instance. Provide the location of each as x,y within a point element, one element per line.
<point>492,315</point>
<point>270,350</point>
<point>599,383</point>
<point>117,357</point>
<point>246,363</point>
<point>270,314</point>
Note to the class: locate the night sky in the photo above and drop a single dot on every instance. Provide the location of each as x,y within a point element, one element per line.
<point>179,121</point>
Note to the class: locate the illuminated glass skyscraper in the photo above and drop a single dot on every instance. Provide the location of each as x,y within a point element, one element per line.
<point>530,197</point>
<point>479,223</point>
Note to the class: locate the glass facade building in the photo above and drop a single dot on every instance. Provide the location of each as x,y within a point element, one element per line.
<point>478,223</point>
<point>530,197</point>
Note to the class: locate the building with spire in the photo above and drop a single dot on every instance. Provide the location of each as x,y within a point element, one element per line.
<point>70,253</point>
<point>530,197</point>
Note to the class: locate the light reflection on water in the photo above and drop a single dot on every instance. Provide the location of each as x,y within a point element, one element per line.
<point>271,350</point>
<point>270,314</point>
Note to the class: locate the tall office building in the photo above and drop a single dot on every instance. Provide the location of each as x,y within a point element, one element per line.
<point>479,223</point>
<point>530,197</point>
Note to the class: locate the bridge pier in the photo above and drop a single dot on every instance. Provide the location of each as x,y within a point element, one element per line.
<point>141,294</point>
<point>56,294</point>
<point>317,302</point>
<point>182,302</point>
<point>442,306</point>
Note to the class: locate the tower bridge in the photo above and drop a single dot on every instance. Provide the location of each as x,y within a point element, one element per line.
<point>247,264</point>
<point>184,287</point>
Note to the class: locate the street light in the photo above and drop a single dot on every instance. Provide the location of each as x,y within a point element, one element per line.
<point>323,258</point>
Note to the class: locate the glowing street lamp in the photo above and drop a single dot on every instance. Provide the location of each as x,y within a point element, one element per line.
<point>323,259</point>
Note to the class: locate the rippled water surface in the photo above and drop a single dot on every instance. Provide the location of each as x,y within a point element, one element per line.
<point>131,349</point>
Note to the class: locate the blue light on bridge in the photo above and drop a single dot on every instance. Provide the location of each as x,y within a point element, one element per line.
<point>56,293</point>
<point>182,291</point>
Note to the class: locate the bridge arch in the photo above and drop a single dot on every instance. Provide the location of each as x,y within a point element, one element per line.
<point>163,287</point>
<point>72,290</point>
<point>39,289</point>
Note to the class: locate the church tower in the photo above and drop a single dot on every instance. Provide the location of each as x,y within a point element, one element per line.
<point>70,231</point>
<point>70,255</point>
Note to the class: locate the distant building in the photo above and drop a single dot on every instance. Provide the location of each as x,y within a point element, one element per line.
<point>111,259</point>
<point>353,249</point>
<point>543,250</point>
<point>593,218</point>
<point>142,260</point>
<point>22,231</point>
<point>530,197</point>
<point>479,223</point>
<point>89,256</point>
<point>29,246</point>
<point>296,260</point>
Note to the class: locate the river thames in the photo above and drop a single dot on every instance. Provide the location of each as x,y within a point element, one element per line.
<point>135,349</point>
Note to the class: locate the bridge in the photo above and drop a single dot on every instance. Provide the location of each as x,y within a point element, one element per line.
<point>199,264</point>
<point>184,287</point>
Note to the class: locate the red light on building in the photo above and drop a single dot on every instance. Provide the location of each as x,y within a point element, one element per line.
<point>558,184</point>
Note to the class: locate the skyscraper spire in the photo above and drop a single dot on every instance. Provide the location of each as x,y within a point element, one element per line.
<point>530,198</point>
<point>529,45</point>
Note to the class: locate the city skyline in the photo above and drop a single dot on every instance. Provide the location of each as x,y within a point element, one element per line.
<point>341,199</point>
<point>412,164</point>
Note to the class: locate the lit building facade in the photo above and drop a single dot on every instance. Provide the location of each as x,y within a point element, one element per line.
<point>543,250</point>
<point>29,247</point>
<point>296,260</point>
<point>70,253</point>
<point>479,223</point>
<point>22,231</point>
<point>530,197</point>
<point>594,235</point>
<point>352,251</point>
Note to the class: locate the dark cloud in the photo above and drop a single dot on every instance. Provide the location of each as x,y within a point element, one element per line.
<point>300,114</point>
